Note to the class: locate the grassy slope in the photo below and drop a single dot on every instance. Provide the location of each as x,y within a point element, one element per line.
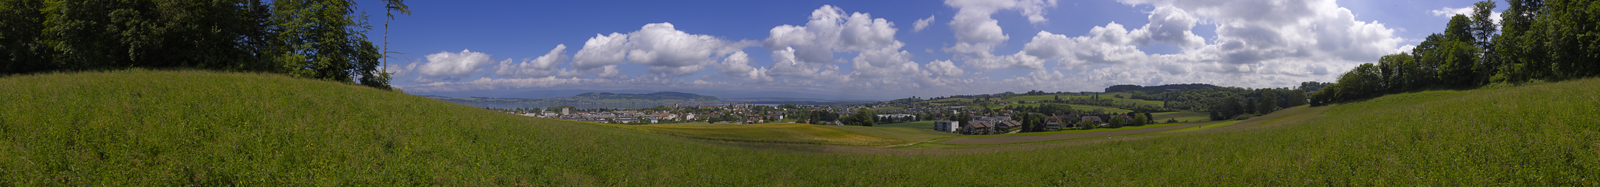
<point>1204,127</point>
<point>779,133</point>
<point>903,133</point>
<point>1084,131</point>
<point>915,124</point>
<point>178,128</point>
<point>1190,116</point>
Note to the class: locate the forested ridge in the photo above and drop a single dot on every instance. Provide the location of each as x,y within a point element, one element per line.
<point>318,39</point>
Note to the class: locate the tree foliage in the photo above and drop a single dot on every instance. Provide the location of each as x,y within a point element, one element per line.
<point>1537,40</point>
<point>318,39</point>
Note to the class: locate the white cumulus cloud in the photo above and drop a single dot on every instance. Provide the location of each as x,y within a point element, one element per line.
<point>534,67</point>
<point>668,51</point>
<point>453,66</point>
<point>944,68</point>
<point>807,51</point>
<point>1452,12</point>
<point>977,32</point>
<point>737,65</point>
<point>922,23</point>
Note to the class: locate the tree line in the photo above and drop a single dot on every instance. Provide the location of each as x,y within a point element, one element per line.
<point>1536,40</point>
<point>1226,102</point>
<point>317,39</point>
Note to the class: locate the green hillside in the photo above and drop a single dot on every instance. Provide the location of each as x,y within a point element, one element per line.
<point>1102,96</point>
<point>1181,116</point>
<point>145,128</point>
<point>774,133</point>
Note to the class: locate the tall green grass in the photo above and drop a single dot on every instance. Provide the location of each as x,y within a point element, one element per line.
<point>143,128</point>
<point>774,133</point>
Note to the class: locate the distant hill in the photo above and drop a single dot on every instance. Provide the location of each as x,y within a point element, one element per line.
<point>1157,89</point>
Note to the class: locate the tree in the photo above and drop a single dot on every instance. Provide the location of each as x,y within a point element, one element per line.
<point>318,39</point>
<point>1483,31</point>
<point>1230,107</point>
<point>1457,62</point>
<point>1483,26</point>
<point>1294,97</point>
<point>1458,54</point>
<point>863,118</point>
<point>1139,119</point>
<point>1269,102</point>
<point>390,7</point>
<point>1393,70</point>
<point>21,48</point>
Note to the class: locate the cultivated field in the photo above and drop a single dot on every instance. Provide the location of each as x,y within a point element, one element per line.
<point>170,128</point>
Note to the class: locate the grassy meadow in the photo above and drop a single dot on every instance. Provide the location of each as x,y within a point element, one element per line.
<point>169,128</point>
<point>901,133</point>
<point>915,124</point>
<point>1181,116</point>
<point>774,133</point>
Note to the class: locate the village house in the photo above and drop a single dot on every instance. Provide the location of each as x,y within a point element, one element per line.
<point>1052,122</point>
<point>1007,124</point>
<point>978,127</point>
<point>1093,120</point>
<point>627,120</point>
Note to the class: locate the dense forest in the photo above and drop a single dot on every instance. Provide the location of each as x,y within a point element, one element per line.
<point>1534,41</point>
<point>318,39</point>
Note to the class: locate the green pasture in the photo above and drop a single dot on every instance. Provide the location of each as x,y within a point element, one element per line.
<point>1083,131</point>
<point>774,133</point>
<point>1204,127</point>
<point>195,128</point>
<point>1190,116</point>
<point>914,124</point>
<point>901,133</point>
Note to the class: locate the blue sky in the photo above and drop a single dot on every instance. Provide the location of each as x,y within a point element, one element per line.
<point>874,49</point>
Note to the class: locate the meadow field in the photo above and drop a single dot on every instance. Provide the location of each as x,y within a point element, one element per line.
<point>1180,116</point>
<point>914,124</point>
<point>194,128</point>
<point>774,133</point>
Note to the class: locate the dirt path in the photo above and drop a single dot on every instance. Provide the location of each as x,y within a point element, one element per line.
<point>1034,138</point>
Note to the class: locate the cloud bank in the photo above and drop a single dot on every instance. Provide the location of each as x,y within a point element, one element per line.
<point>833,49</point>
